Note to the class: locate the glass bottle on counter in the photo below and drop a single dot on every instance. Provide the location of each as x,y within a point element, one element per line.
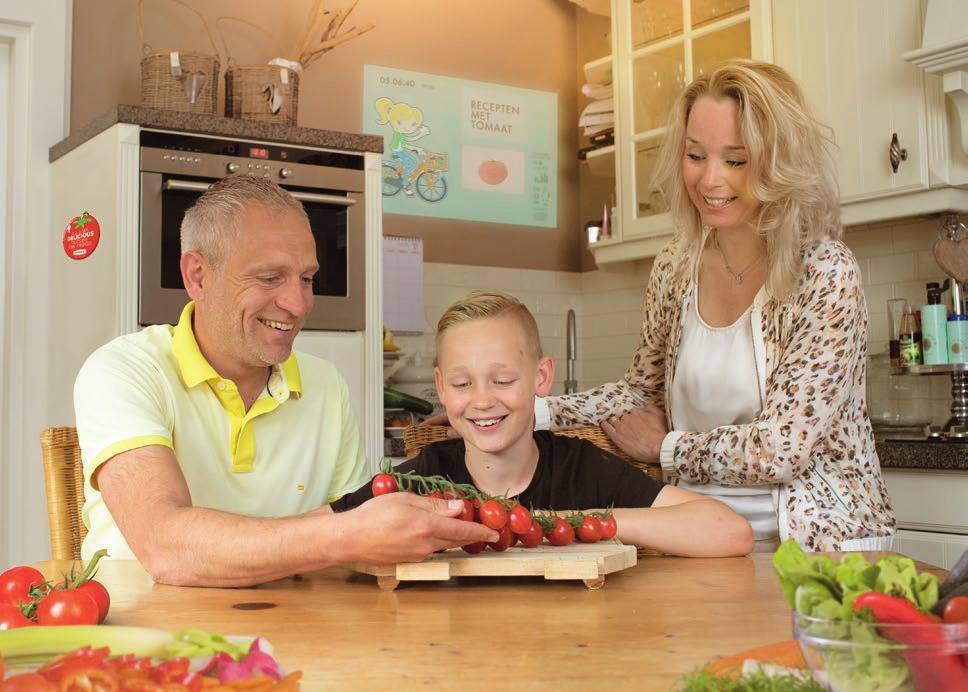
<point>909,339</point>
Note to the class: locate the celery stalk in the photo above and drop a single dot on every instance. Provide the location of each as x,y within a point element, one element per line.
<point>37,644</point>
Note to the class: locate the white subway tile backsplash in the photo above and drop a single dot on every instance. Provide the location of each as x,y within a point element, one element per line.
<point>869,242</point>
<point>892,268</point>
<point>914,236</point>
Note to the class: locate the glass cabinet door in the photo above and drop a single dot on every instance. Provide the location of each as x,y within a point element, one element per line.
<point>664,45</point>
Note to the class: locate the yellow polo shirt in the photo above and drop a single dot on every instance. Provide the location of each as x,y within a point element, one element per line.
<point>297,448</point>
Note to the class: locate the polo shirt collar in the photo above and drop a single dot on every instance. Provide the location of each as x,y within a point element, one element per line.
<point>196,370</point>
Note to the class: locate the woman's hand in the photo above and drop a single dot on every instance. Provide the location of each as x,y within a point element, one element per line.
<point>442,419</point>
<point>639,432</point>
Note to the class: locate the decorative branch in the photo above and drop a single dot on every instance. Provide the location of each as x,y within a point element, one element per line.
<point>323,32</point>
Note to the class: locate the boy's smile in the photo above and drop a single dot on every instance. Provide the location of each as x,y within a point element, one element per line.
<point>487,379</point>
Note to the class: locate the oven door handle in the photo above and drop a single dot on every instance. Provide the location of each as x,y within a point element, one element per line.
<point>195,186</point>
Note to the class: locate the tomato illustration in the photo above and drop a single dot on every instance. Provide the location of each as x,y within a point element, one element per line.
<point>492,171</point>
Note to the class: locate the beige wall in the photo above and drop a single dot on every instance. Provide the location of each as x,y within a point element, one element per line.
<point>529,44</point>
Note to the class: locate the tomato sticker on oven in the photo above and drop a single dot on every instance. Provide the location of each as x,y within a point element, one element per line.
<point>81,236</point>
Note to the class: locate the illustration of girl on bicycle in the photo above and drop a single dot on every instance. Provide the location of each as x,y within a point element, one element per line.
<point>407,124</point>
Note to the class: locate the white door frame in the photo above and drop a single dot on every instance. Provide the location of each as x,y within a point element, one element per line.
<point>36,105</point>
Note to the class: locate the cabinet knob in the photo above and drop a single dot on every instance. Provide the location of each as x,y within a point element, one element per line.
<point>232,167</point>
<point>897,153</point>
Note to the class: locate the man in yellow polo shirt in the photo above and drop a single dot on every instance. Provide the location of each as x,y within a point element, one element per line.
<point>211,449</point>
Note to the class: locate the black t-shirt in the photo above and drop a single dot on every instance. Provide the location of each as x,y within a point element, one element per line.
<point>571,474</point>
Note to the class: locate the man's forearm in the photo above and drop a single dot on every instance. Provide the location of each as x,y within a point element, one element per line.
<point>196,546</point>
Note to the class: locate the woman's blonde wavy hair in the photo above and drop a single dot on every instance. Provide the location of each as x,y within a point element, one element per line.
<point>790,167</point>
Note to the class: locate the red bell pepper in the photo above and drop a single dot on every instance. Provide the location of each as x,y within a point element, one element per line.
<point>934,672</point>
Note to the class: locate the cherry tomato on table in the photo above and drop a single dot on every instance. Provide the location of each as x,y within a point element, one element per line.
<point>493,515</point>
<point>519,519</point>
<point>533,536</point>
<point>67,607</point>
<point>98,594</point>
<point>505,538</point>
<point>561,534</point>
<point>590,530</point>
<point>16,582</point>
<point>11,618</point>
<point>609,528</point>
<point>384,483</point>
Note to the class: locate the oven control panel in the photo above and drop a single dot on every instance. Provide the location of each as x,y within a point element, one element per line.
<point>211,158</point>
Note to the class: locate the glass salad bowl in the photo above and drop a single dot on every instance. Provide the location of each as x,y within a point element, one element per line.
<point>859,656</point>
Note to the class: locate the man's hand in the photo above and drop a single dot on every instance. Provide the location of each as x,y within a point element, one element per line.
<point>403,527</point>
<point>639,432</point>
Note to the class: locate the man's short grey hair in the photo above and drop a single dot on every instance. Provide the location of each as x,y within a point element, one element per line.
<point>211,226</point>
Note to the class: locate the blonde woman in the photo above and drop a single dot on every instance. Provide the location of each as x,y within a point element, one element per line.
<point>406,121</point>
<point>748,381</point>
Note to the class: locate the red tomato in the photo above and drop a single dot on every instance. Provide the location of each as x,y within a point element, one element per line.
<point>435,495</point>
<point>493,515</point>
<point>28,682</point>
<point>609,528</point>
<point>519,519</point>
<point>562,533</point>
<point>384,483</point>
<point>11,618</point>
<point>99,595</point>
<point>453,495</point>
<point>505,537</point>
<point>956,610</point>
<point>474,548</point>
<point>590,530</point>
<point>84,657</point>
<point>467,514</point>
<point>67,607</point>
<point>16,582</point>
<point>533,536</point>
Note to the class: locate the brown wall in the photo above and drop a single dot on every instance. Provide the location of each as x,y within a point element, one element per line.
<point>529,44</point>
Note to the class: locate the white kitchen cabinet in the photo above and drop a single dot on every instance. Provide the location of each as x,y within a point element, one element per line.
<point>940,549</point>
<point>658,47</point>
<point>846,56</point>
<point>932,515</point>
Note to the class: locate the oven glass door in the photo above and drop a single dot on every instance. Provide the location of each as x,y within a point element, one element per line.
<point>336,220</point>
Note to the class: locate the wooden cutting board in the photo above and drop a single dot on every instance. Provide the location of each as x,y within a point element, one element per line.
<point>589,562</point>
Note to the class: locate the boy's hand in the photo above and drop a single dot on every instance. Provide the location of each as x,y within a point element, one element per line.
<point>441,419</point>
<point>639,433</point>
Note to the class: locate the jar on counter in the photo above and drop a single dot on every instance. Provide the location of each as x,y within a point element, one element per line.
<point>896,404</point>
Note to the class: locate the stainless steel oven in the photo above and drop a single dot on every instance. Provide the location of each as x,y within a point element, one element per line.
<point>177,168</point>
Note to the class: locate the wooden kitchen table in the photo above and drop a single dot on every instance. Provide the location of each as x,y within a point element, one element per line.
<point>645,628</point>
<point>647,625</point>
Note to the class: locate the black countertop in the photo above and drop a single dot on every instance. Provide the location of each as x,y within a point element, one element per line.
<point>945,455</point>
<point>214,125</point>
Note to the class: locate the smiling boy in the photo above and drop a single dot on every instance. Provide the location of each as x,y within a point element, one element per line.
<point>490,366</point>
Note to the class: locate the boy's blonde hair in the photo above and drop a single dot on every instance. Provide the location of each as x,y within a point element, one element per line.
<point>479,305</point>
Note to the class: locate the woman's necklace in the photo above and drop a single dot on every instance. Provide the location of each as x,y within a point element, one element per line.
<point>737,276</point>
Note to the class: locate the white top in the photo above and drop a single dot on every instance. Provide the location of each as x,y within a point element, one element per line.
<point>715,384</point>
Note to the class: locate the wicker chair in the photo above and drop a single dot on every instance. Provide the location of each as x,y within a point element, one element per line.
<point>64,481</point>
<point>415,437</point>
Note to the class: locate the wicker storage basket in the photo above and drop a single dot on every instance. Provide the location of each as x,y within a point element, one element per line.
<point>180,80</point>
<point>262,92</point>
<point>267,93</point>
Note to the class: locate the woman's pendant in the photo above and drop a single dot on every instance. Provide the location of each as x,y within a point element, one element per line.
<point>739,278</point>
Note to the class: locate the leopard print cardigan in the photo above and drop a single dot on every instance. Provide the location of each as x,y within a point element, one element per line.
<point>812,440</point>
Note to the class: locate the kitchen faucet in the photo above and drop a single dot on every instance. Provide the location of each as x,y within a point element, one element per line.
<point>571,352</point>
